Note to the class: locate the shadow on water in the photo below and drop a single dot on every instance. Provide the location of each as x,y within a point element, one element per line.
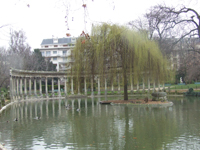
<point>86,124</point>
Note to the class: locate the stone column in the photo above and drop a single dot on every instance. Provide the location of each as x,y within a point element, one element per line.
<point>131,85</point>
<point>14,87</point>
<point>138,87</point>
<point>154,86</point>
<point>21,87</point>
<point>40,82</point>
<point>79,88</point>
<point>158,86</point>
<point>65,86</point>
<point>105,86</point>
<point>92,92</point>
<point>25,88</point>
<point>118,83</point>
<point>163,87</point>
<point>35,88</point>
<point>46,88</point>
<point>17,87</point>
<point>143,85</point>
<point>52,86</point>
<point>99,92</point>
<point>148,85</point>
<point>30,87</point>
<point>11,88</point>
<point>112,88</point>
<point>72,88</point>
<point>59,94</point>
<point>85,86</point>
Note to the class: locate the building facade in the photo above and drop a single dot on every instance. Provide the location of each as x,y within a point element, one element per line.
<point>58,50</point>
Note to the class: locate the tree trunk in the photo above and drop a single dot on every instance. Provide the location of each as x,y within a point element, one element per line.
<point>125,87</point>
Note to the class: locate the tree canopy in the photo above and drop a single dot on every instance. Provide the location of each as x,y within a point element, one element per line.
<point>114,49</point>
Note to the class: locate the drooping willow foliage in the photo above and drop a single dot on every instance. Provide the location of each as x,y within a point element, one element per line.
<point>114,49</point>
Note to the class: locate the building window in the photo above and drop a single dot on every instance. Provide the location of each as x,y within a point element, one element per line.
<point>54,52</point>
<point>55,45</point>
<point>43,54</point>
<point>65,45</point>
<point>55,40</point>
<point>46,46</point>
<point>64,59</point>
<point>48,53</point>
<point>64,53</point>
<point>55,58</point>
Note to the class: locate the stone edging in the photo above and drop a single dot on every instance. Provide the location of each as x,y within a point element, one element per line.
<point>149,105</point>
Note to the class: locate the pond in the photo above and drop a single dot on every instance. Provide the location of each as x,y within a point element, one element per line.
<point>49,125</point>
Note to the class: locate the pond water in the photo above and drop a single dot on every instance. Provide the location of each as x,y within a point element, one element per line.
<point>98,126</point>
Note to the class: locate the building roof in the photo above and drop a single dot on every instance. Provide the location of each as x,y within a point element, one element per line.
<point>60,41</point>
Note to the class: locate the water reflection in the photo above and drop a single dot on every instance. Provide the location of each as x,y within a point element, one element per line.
<point>49,124</point>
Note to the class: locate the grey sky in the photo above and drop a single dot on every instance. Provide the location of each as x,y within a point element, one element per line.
<point>45,18</point>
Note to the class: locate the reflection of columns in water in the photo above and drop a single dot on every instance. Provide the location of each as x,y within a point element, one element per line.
<point>85,103</point>
<point>53,107</point>
<point>79,103</point>
<point>98,104</point>
<point>118,80</point>
<point>17,111</point>
<point>21,110</point>
<point>72,88</point>
<point>85,86</point>
<point>29,86</point>
<point>59,106</point>
<point>106,110</point>
<point>93,106</point>
<point>41,111</point>
<point>66,102</point>
<point>86,106</point>
<point>26,110</point>
<point>30,110</point>
<point>47,109</point>
<point>36,109</point>
<point>99,92</point>
<point>73,107</point>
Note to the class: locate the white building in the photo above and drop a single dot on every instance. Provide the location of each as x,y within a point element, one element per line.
<point>58,50</point>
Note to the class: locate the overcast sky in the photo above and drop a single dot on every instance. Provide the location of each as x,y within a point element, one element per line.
<point>41,19</point>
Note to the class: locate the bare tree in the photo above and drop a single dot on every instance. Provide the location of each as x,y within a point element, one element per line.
<point>4,68</point>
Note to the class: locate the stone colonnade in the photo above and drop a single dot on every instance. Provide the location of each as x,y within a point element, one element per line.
<point>21,82</point>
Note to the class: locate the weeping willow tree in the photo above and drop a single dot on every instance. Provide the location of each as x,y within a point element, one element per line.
<point>114,49</point>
